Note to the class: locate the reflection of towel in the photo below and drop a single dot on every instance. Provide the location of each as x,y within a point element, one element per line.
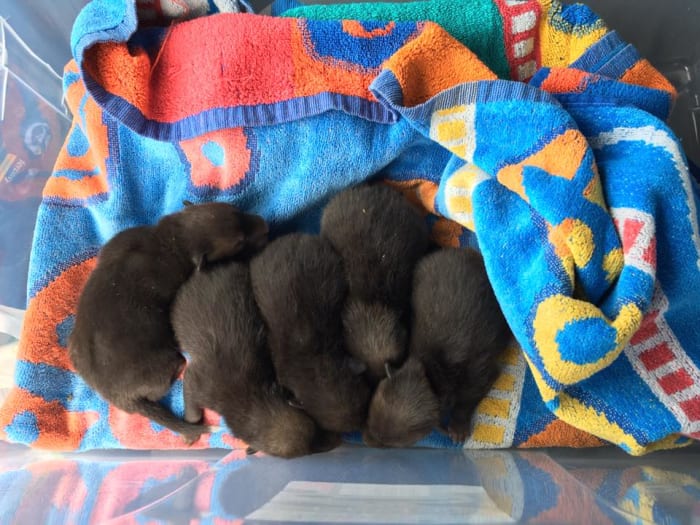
<point>90,491</point>
<point>277,114</point>
<point>534,487</point>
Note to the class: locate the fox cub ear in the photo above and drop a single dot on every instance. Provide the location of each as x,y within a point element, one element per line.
<point>389,370</point>
<point>219,250</point>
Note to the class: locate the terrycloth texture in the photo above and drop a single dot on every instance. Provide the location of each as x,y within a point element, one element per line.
<point>277,114</point>
<point>512,37</point>
<point>477,24</point>
<point>574,296</point>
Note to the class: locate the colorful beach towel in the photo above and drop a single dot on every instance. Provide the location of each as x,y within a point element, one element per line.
<point>571,185</point>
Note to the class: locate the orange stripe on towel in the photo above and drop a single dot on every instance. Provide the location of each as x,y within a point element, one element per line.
<point>644,74</point>
<point>46,310</point>
<point>313,75</point>
<point>416,60</point>
<point>93,161</point>
<point>230,170</point>
<point>565,81</point>
<point>562,157</point>
<point>59,429</point>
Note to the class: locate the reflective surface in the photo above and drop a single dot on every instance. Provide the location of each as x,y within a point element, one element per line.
<point>352,485</point>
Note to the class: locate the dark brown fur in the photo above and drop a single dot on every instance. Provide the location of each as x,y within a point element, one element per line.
<point>458,334</point>
<point>217,322</point>
<point>300,288</point>
<point>123,344</point>
<point>375,335</point>
<point>380,237</point>
<point>404,408</point>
